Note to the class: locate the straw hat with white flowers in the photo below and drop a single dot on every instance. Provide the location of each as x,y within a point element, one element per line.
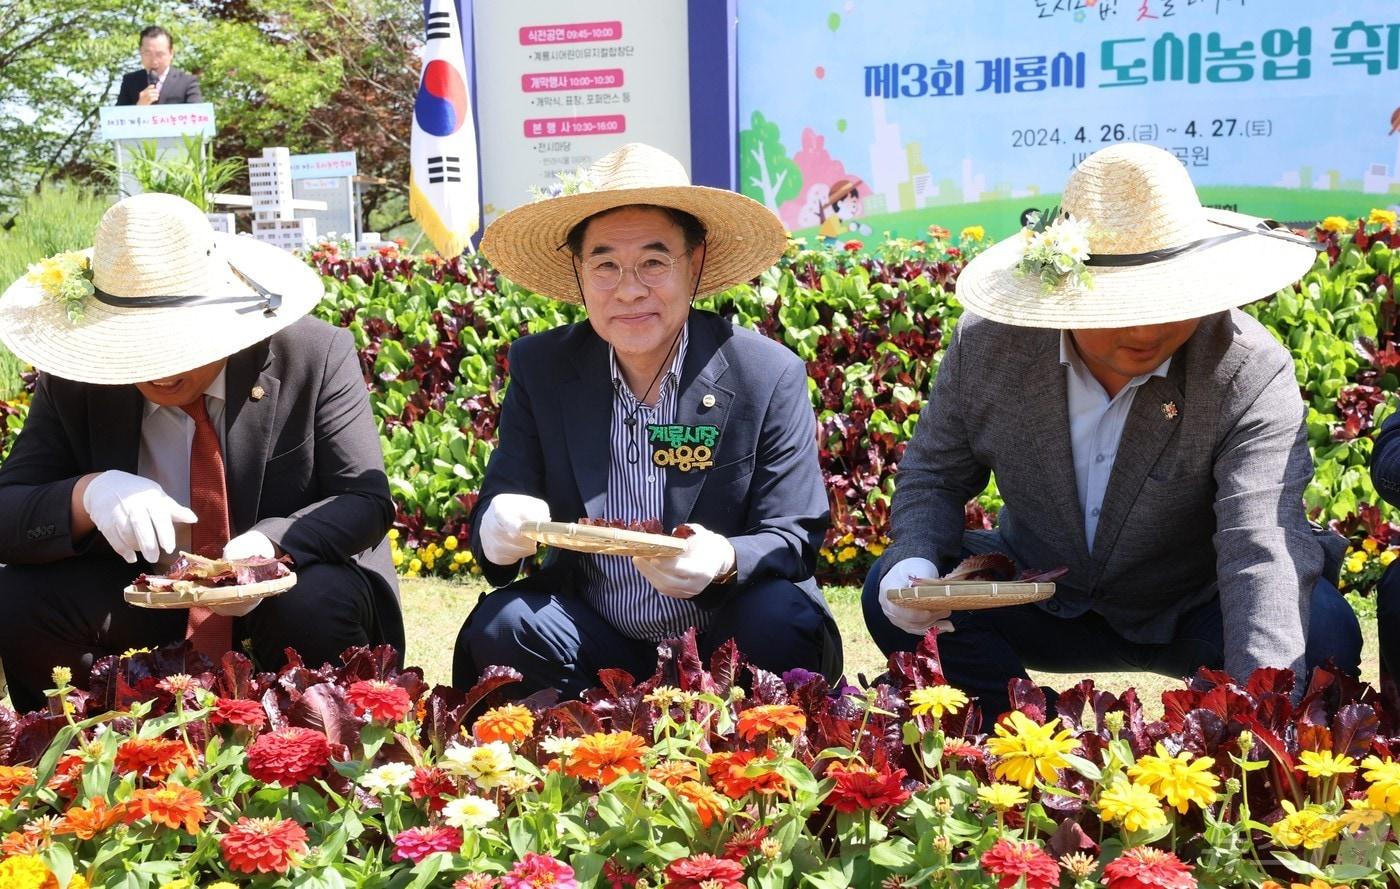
<point>159,293</point>
<point>1132,245</point>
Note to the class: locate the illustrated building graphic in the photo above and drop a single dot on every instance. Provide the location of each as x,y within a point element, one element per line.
<point>270,185</point>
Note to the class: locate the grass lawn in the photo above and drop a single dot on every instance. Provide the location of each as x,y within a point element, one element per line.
<point>434,611</point>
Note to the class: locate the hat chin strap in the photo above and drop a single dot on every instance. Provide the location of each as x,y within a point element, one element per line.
<point>261,299</point>
<point>1267,228</point>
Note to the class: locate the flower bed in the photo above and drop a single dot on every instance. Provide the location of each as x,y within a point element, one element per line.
<point>433,337</point>
<point>362,775</point>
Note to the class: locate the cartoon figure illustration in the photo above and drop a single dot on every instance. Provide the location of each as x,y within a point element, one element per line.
<point>841,206</point>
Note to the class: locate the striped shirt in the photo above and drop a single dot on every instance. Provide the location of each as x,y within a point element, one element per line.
<point>636,492</point>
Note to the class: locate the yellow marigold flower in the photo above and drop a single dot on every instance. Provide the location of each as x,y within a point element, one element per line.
<point>26,872</point>
<point>415,565</point>
<point>876,549</point>
<point>461,558</point>
<point>846,554</point>
<point>1180,779</point>
<point>1382,217</point>
<point>81,882</point>
<point>1133,805</point>
<point>1310,827</point>
<point>220,885</point>
<point>1325,764</point>
<point>1025,750</point>
<point>973,233</point>
<point>1387,557</point>
<point>393,533</point>
<point>1002,796</point>
<point>508,723</point>
<point>1384,792</point>
<point>450,543</point>
<point>1356,562</point>
<point>937,700</point>
<point>181,883</point>
<point>1336,224</point>
<point>397,557</point>
<point>1370,545</point>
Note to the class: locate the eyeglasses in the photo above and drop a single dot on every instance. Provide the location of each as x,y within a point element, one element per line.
<point>652,270</point>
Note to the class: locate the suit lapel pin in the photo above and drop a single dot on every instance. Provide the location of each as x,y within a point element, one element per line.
<point>257,393</point>
<point>1169,410</point>
<point>708,401</point>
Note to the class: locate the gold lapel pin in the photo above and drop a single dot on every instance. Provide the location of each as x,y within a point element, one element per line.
<point>708,401</point>
<point>1169,410</point>
<point>257,393</point>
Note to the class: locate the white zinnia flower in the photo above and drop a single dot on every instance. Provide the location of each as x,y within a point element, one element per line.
<point>387,778</point>
<point>470,812</point>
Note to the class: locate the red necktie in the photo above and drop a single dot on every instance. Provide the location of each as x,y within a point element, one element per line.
<point>210,633</point>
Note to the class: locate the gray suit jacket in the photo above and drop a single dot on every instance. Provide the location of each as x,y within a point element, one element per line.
<point>303,461</point>
<point>1208,502</point>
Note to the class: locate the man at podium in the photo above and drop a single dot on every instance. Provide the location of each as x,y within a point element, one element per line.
<point>157,83</point>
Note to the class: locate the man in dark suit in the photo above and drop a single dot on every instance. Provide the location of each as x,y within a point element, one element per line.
<point>193,408</point>
<point>157,83</point>
<point>650,410</point>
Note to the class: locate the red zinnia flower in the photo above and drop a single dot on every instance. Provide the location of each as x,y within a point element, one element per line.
<point>385,701</point>
<point>854,245</point>
<point>859,788</point>
<point>704,872</point>
<point>288,757</point>
<point>263,845</point>
<point>1011,860</point>
<point>154,758</point>
<point>239,712</point>
<point>431,784</point>
<point>745,842</point>
<point>618,877</point>
<point>1147,868</point>
<point>66,776</point>
<point>418,843</point>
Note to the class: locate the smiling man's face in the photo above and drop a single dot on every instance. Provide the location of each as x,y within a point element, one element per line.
<point>181,389</point>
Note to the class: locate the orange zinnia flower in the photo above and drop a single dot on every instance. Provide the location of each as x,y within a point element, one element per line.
<point>729,772</point>
<point>17,843</point>
<point>169,804</point>
<point>154,758</point>
<point>674,771</point>
<point>509,723</point>
<point>708,804</point>
<point>767,719</point>
<point>13,780</point>
<point>87,821</point>
<point>605,757</point>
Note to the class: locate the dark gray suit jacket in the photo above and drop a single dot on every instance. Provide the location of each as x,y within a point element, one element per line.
<point>1208,501</point>
<point>764,493</point>
<point>304,462</point>
<point>180,88</point>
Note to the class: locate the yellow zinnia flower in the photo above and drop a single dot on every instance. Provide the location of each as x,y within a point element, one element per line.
<point>450,543</point>
<point>1384,792</point>
<point>1180,779</point>
<point>1325,764</point>
<point>1133,805</point>
<point>936,700</point>
<point>1382,217</point>
<point>974,233</point>
<point>1387,557</point>
<point>1356,562</point>
<point>1370,545</point>
<point>1002,796</point>
<point>1337,224</point>
<point>1310,827</point>
<point>1025,750</point>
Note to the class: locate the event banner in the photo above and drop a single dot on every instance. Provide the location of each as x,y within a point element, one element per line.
<point>562,83</point>
<point>894,115</point>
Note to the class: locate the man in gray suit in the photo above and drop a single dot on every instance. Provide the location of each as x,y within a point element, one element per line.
<point>157,83</point>
<point>1144,433</point>
<point>192,407</point>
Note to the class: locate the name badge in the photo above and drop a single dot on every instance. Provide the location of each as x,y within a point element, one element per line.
<point>683,447</point>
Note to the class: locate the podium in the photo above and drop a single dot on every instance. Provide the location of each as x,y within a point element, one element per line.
<point>128,126</point>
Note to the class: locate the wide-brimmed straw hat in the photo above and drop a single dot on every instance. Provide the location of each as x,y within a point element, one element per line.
<point>1154,254</point>
<point>168,295</point>
<point>528,246</point>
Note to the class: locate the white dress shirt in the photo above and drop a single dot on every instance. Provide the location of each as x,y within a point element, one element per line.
<point>1095,427</point>
<point>167,434</point>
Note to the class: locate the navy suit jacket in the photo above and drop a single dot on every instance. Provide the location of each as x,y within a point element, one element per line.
<point>180,88</point>
<point>764,493</point>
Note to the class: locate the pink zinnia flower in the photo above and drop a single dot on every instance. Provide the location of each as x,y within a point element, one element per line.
<point>535,871</point>
<point>418,843</point>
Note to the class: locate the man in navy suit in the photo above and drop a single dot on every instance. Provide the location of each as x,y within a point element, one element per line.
<point>650,409</point>
<point>156,83</point>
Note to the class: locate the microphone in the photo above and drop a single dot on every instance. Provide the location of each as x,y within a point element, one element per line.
<point>152,78</point>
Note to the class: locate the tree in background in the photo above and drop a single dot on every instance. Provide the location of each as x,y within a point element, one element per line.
<point>766,173</point>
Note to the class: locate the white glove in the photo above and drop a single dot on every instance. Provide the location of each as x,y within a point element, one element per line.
<point>134,514</point>
<point>501,540</point>
<point>707,555</point>
<point>245,546</point>
<point>911,620</point>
